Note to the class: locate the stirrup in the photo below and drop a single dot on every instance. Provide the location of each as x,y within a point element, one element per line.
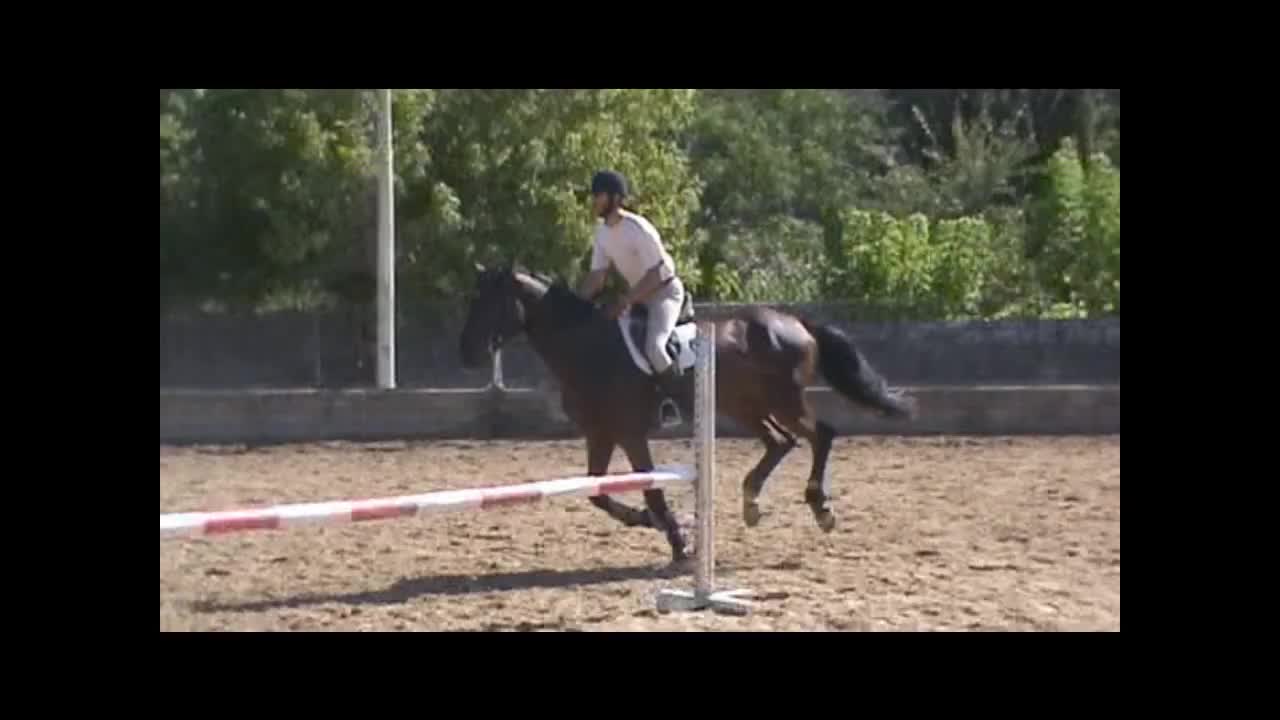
<point>669,419</point>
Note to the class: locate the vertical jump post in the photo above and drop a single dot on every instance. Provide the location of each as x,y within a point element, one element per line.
<point>704,594</point>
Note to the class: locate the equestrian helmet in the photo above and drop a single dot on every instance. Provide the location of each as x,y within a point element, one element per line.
<point>609,182</point>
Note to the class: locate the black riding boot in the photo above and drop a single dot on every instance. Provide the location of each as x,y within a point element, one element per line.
<point>669,388</point>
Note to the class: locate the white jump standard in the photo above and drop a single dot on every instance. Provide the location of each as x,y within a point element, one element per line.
<point>704,594</point>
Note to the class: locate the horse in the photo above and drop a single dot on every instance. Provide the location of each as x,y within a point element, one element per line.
<point>764,360</point>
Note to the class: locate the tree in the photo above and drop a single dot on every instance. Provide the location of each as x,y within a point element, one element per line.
<point>776,164</point>
<point>1074,239</point>
<point>508,174</point>
<point>970,201</point>
<point>259,190</point>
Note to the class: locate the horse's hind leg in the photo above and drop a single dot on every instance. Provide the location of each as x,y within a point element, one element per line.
<point>637,450</point>
<point>798,416</point>
<point>599,453</point>
<point>774,451</point>
<point>818,491</point>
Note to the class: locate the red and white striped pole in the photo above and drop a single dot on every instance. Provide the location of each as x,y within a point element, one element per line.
<point>279,517</point>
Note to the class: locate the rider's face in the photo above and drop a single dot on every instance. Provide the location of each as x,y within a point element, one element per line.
<point>599,203</point>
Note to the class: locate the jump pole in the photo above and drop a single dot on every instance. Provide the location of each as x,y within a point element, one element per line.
<point>341,512</point>
<point>704,594</point>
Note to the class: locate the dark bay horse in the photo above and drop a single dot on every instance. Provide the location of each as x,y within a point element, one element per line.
<point>764,360</point>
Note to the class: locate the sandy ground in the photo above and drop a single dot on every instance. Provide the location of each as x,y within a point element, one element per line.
<point>934,534</point>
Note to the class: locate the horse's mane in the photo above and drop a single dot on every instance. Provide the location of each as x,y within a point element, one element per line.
<point>567,305</point>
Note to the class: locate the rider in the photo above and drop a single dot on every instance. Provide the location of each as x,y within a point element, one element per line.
<point>630,243</point>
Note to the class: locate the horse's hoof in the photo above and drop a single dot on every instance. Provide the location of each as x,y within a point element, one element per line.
<point>688,525</point>
<point>751,514</point>
<point>826,520</point>
<point>681,564</point>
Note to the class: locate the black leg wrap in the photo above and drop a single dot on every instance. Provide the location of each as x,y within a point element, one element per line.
<point>815,497</point>
<point>664,521</point>
<point>818,503</point>
<point>628,516</point>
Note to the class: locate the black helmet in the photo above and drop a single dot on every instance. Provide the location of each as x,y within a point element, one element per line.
<point>608,181</point>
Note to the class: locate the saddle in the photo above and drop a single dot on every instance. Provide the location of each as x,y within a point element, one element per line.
<point>634,325</point>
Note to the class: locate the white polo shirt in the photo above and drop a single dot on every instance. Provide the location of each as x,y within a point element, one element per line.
<point>632,246</point>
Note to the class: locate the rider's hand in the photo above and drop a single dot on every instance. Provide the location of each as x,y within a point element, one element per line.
<point>618,307</point>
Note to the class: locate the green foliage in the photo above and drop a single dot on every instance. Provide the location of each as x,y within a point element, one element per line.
<point>1100,270</point>
<point>508,171</point>
<point>985,165</point>
<point>777,260</point>
<point>977,165</point>
<point>762,153</point>
<point>911,203</point>
<point>267,195</point>
<point>963,258</point>
<point>773,164</point>
<point>1075,234</point>
<point>259,188</point>
<point>1009,278</point>
<point>1044,116</point>
<point>910,268</point>
<point>876,258</point>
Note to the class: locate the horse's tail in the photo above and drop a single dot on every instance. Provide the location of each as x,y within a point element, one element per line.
<point>852,376</point>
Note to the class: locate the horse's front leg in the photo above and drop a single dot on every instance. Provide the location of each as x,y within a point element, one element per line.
<point>599,453</point>
<point>637,449</point>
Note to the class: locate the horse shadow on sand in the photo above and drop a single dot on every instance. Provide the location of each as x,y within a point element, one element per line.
<point>406,589</point>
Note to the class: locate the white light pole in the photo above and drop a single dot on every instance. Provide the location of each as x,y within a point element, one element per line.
<point>386,249</point>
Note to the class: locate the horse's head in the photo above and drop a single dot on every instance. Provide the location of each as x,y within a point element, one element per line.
<point>496,314</point>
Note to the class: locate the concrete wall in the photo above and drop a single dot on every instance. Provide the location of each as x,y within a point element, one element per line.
<point>314,350</point>
<point>268,416</point>
<point>297,376</point>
